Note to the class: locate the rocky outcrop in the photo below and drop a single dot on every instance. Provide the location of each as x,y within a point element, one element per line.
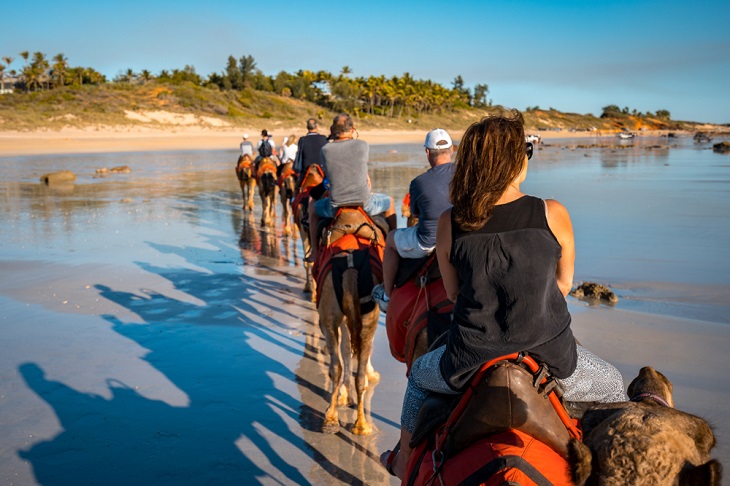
<point>722,147</point>
<point>594,292</point>
<point>703,137</point>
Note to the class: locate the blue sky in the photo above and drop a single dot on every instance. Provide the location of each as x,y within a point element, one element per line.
<point>572,56</point>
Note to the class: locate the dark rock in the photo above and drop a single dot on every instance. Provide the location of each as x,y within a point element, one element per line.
<point>722,147</point>
<point>594,292</point>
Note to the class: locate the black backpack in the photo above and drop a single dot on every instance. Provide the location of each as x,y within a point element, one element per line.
<point>265,149</point>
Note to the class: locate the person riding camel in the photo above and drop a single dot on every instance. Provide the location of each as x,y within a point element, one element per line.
<point>429,196</point>
<point>309,151</point>
<point>266,148</point>
<point>507,261</point>
<point>345,166</point>
<point>246,147</point>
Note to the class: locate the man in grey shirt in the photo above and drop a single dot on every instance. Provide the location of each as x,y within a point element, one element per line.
<point>345,165</point>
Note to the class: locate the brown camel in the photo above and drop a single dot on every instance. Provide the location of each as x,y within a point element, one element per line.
<point>266,180</point>
<point>645,441</point>
<point>286,183</point>
<point>351,258</point>
<point>246,179</point>
<point>313,176</point>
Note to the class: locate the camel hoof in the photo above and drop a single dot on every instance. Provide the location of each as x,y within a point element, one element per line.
<point>331,426</point>
<point>308,288</point>
<point>362,428</point>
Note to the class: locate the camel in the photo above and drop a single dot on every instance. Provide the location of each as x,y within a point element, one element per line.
<point>348,267</point>
<point>645,441</point>
<point>286,183</point>
<point>313,176</point>
<point>266,180</point>
<point>405,211</point>
<point>244,173</point>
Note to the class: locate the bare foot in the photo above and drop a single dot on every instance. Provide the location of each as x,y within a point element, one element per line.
<point>393,463</point>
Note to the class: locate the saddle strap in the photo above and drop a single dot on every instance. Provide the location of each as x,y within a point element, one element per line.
<point>483,474</point>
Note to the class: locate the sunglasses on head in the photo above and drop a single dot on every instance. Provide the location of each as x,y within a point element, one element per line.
<point>529,149</point>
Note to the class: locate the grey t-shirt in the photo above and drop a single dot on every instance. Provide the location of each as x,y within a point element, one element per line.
<point>345,164</point>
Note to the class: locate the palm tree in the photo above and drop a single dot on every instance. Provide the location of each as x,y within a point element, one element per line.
<point>145,75</point>
<point>2,76</point>
<point>60,65</point>
<point>346,70</point>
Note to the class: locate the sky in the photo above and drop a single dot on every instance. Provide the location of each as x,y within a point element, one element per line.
<point>572,56</point>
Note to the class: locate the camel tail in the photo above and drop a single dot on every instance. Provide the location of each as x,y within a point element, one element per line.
<point>351,307</point>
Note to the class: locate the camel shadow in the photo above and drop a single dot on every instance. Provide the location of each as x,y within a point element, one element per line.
<point>232,346</point>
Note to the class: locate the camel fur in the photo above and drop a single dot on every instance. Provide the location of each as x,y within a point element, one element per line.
<point>246,179</point>
<point>644,442</point>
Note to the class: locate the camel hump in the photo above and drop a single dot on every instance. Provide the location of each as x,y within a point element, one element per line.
<point>354,221</point>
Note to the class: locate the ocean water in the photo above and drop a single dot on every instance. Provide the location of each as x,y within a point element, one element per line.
<point>651,216</point>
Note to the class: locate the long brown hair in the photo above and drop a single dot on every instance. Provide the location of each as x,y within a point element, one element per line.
<point>490,156</point>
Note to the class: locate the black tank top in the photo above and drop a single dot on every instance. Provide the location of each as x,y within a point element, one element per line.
<point>509,300</point>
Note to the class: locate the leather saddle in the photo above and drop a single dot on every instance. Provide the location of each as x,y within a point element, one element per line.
<point>352,220</point>
<point>506,397</point>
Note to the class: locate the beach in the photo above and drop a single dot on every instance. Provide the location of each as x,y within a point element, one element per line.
<point>153,333</point>
<point>183,137</point>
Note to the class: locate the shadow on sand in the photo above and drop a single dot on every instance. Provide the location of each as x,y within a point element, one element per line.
<point>233,351</point>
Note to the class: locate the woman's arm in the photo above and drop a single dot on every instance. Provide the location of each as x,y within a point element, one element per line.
<point>559,222</point>
<point>443,252</point>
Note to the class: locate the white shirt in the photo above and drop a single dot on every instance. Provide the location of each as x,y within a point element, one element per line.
<point>247,148</point>
<point>290,153</point>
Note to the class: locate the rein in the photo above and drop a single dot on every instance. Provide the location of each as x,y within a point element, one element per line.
<point>651,396</point>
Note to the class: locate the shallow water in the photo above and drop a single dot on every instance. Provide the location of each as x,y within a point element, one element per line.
<point>149,321</point>
<point>651,215</point>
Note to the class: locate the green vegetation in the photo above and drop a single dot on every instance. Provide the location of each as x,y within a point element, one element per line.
<point>53,94</point>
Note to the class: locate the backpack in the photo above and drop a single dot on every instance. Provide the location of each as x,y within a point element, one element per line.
<point>265,149</point>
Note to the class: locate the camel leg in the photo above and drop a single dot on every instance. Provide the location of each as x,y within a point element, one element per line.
<point>331,423</point>
<point>251,187</point>
<point>362,426</point>
<point>373,376</point>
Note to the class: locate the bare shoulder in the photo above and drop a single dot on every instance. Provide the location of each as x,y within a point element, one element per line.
<point>556,212</point>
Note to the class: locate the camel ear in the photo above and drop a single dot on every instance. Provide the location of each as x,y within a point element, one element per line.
<point>709,474</point>
<point>580,460</point>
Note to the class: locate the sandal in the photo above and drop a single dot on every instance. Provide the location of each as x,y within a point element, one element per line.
<point>390,460</point>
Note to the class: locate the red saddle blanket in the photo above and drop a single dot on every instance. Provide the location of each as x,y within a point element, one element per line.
<point>510,457</point>
<point>414,305</point>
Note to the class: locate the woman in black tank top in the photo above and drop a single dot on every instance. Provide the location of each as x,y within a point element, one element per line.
<point>507,261</point>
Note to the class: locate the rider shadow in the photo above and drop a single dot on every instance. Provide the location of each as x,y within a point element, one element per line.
<point>219,355</point>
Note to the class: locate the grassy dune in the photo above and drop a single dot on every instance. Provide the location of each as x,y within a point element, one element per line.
<point>109,105</point>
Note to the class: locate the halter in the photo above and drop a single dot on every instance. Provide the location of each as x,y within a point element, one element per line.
<point>650,396</point>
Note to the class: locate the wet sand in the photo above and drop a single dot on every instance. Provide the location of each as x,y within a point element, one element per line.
<point>138,139</point>
<point>154,334</point>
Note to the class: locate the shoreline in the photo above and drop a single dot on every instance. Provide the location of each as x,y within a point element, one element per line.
<point>144,139</point>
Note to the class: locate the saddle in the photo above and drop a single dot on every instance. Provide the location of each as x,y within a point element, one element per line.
<point>351,240</point>
<point>419,310</point>
<point>286,171</point>
<point>511,392</point>
<point>353,220</point>
<point>266,165</point>
<point>512,404</point>
<point>244,162</point>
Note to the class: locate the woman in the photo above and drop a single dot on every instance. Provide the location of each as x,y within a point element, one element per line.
<point>507,261</point>
<point>289,150</point>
